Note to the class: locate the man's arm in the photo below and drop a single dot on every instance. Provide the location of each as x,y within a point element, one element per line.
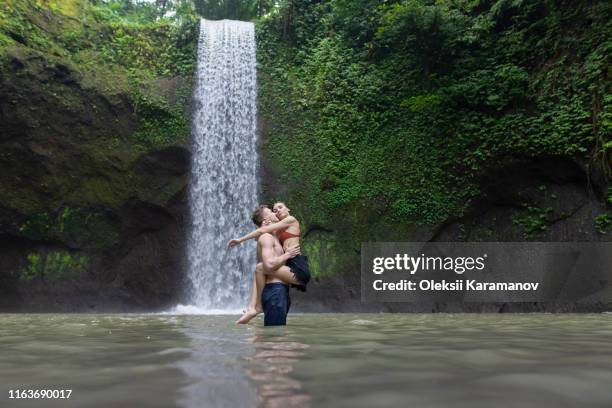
<point>268,229</point>
<point>269,259</point>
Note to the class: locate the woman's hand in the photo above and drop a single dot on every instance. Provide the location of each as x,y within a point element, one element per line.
<point>233,242</point>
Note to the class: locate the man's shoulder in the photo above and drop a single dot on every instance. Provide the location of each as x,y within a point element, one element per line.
<point>265,237</point>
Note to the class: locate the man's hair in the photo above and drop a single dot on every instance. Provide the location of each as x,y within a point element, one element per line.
<point>257,216</point>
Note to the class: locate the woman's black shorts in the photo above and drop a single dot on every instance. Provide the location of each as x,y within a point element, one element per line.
<point>299,267</point>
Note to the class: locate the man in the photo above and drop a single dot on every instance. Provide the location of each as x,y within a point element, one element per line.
<point>275,295</point>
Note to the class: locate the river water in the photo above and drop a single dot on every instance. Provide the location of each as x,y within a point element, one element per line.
<point>322,360</point>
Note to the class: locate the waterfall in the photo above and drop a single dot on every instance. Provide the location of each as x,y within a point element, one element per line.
<point>224,183</point>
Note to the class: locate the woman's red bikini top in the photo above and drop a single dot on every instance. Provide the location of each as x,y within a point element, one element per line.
<point>283,235</point>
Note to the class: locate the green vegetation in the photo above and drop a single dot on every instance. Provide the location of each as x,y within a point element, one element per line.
<point>54,266</point>
<point>533,220</point>
<point>104,32</point>
<point>603,222</point>
<point>233,9</point>
<point>96,85</point>
<point>33,269</point>
<point>388,112</point>
<point>75,227</point>
<point>120,47</point>
<point>87,89</point>
<point>161,124</point>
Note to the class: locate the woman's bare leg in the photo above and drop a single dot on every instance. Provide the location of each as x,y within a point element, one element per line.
<point>254,307</point>
<point>259,281</point>
<point>282,273</point>
<point>253,301</point>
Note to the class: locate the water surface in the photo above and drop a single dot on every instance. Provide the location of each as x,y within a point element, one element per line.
<point>334,360</point>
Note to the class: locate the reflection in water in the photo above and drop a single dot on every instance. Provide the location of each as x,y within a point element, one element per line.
<point>106,360</point>
<point>216,377</point>
<point>276,355</point>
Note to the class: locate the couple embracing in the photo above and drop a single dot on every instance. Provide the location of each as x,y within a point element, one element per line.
<point>279,264</point>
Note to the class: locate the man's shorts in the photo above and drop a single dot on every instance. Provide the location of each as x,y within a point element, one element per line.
<point>276,302</point>
<point>301,270</point>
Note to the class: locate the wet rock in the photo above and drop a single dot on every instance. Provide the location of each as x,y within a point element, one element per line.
<point>90,218</point>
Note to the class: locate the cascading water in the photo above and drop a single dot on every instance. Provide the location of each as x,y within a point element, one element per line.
<point>224,181</point>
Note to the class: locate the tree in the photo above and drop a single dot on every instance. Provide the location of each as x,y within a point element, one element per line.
<point>233,9</point>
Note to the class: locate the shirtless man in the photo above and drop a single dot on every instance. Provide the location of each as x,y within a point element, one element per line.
<point>275,296</point>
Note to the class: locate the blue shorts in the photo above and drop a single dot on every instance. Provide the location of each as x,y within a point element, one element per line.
<point>276,302</point>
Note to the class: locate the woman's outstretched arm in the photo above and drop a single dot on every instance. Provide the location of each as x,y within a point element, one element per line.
<point>277,226</point>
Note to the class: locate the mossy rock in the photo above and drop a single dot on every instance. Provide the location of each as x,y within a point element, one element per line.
<point>74,227</point>
<point>54,266</point>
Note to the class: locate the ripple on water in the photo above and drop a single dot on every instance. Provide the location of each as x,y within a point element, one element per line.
<point>363,322</point>
<point>317,361</point>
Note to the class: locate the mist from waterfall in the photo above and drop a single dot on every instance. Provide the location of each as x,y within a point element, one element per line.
<point>224,183</point>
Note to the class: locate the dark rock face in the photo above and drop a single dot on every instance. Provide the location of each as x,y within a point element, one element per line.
<point>89,219</point>
<point>539,199</point>
<point>172,161</point>
<point>542,199</point>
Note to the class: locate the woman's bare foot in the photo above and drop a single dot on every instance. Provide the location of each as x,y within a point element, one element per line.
<point>247,316</point>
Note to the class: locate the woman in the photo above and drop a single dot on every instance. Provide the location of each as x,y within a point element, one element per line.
<point>287,230</point>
